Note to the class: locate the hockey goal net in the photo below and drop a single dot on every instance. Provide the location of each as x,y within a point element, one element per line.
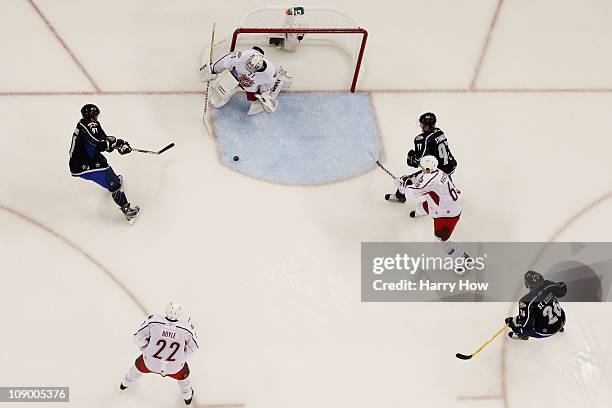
<point>291,27</point>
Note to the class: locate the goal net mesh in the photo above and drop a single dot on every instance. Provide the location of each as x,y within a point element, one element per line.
<point>319,25</point>
<point>312,26</point>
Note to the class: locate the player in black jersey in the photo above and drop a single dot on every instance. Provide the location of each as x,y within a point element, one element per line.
<point>540,314</point>
<point>86,160</point>
<point>431,142</point>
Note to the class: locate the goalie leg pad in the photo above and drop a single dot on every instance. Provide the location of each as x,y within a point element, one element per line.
<point>255,108</point>
<point>267,101</point>
<point>222,89</point>
<point>285,80</point>
<point>262,103</point>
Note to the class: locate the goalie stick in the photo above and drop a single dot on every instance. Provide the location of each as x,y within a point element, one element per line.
<point>469,356</point>
<point>212,44</point>
<point>171,145</point>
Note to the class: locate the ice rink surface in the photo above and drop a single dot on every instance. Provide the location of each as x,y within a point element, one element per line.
<point>270,273</point>
<point>315,138</point>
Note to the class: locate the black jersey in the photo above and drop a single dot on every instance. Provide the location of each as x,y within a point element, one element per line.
<point>432,143</point>
<point>88,141</point>
<point>539,310</point>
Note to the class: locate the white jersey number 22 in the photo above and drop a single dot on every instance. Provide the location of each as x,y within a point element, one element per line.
<point>173,346</point>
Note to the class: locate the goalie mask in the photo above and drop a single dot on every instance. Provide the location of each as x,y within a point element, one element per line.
<point>254,63</point>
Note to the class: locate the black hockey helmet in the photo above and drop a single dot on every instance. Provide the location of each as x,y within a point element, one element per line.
<point>89,111</point>
<point>259,50</point>
<point>428,119</point>
<point>533,279</point>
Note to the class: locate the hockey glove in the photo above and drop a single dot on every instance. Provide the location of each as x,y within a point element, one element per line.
<point>412,161</point>
<point>143,343</point>
<point>123,147</point>
<point>112,142</point>
<point>406,181</point>
<point>512,324</point>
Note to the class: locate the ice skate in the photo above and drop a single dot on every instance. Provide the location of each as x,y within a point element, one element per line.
<point>131,213</point>
<point>515,336</point>
<point>188,401</point>
<point>395,199</point>
<point>468,259</point>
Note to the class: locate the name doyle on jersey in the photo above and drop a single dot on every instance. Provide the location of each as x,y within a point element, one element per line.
<point>425,285</point>
<point>169,334</point>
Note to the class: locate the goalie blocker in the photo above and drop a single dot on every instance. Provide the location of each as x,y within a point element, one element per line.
<point>250,71</point>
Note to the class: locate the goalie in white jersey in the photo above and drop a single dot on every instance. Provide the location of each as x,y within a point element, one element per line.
<point>248,70</point>
<point>165,342</point>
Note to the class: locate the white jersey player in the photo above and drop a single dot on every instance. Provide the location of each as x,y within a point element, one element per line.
<point>439,197</point>
<point>165,342</point>
<point>248,70</point>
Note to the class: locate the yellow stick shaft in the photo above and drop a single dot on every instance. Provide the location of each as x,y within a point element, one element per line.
<point>490,340</point>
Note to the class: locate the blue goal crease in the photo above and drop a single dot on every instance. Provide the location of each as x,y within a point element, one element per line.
<point>313,137</point>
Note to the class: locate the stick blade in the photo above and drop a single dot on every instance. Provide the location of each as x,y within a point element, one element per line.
<point>170,146</point>
<point>377,155</point>
<point>463,356</point>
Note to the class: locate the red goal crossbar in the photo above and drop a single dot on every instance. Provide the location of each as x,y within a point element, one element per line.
<point>361,31</point>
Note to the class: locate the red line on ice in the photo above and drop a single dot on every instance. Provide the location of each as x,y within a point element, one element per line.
<point>373,91</point>
<point>79,250</point>
<point>570,221</point>
<point>485,46</point>
<point>479,397</point>
<point>64,45</point>
<point>104,270</point>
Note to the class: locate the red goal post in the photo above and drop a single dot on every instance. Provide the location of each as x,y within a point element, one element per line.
<point>327,25</point>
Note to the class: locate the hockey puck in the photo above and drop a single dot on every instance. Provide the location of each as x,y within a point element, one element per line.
<point>236,158</point>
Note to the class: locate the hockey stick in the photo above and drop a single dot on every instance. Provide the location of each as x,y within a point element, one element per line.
<point>467,357</point>
<point>385,170</point>
<point>170,146</point>
<point>378,156</point>
<point>212,44</point>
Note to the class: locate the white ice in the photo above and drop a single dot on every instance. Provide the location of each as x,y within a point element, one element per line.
<point>270,273</point>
